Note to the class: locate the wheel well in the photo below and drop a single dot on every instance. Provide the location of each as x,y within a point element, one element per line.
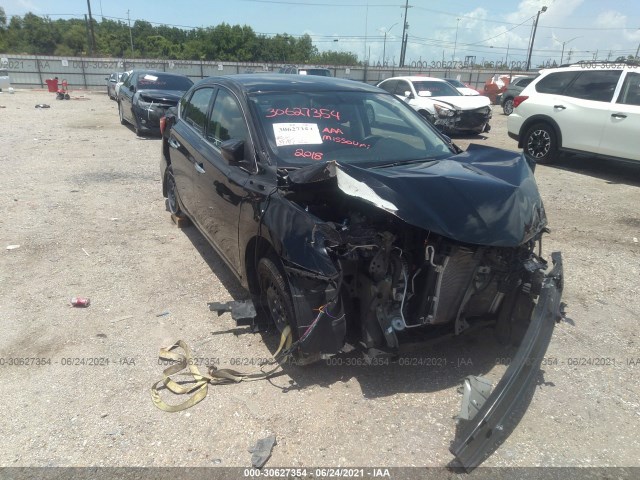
<point>540,119</point>
<point>257,248</point>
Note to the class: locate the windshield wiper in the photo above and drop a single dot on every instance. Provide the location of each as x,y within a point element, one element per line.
<point>407,162</point>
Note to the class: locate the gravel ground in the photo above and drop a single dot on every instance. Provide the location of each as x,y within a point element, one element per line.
<point>81,196</point>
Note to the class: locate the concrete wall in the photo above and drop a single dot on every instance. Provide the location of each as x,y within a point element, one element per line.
<point>30,71</point>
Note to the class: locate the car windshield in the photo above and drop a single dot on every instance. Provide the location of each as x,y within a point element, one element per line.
<point>158,81</point>
<point>369,129</point>
<point>456,83</point>
<point>431,88</point>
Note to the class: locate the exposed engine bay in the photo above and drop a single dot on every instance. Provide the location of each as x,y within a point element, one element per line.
<point>396,279</point>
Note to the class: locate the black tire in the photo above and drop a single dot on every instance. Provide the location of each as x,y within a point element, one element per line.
<point>540,143</point>
<point>275,297</point>
<point>507,106</point>
<point>172,193</point>
<point>121,114</point>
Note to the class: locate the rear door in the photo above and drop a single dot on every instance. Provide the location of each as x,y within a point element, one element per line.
<point>187,144</point>
<point>622,124</point>
<point>584,108</point>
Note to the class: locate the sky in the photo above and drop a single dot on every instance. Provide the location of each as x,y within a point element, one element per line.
<point>490,30</point>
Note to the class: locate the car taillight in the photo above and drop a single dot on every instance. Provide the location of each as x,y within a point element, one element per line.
<point>163,124</point>
<point>519,99</point>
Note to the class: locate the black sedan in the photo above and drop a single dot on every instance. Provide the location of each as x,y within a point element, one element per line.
<point>351,229</point>
<point>145,96</point>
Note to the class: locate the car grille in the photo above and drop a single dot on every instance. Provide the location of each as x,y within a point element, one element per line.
<point>474,118</point>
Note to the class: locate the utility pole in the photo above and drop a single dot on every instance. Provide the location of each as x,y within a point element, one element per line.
<point>637,50</point>
<point>92,45</point>
<point>130,34</point>
<point>455,45</point>
<point>86,22</point>
<point>403,49</point>
<point>533,36</point>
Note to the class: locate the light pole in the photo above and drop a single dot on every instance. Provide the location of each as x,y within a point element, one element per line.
<point>384,45</point>
<point>563,44</point>
<point>455,44</point>
<point>533,36</point>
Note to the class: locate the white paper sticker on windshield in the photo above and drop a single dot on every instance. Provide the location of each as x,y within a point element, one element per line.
<point>296,134</point>
<point>151,78</point>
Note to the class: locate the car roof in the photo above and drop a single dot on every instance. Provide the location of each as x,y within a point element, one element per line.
<point>273,82</point>
<point>417,78</point>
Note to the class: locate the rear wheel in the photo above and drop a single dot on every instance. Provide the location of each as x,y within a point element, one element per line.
<point>172,193</point>
<point>507,106</point>
<point>121,114</point>
<point>540,143</point>
<point>274,293</point>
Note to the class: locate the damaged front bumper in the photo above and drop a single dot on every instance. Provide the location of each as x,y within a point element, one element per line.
<point>480,435</point>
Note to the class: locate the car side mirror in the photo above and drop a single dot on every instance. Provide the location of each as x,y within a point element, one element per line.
<point>408,94</point>
<point>233,151</point>
<point>132,88</point>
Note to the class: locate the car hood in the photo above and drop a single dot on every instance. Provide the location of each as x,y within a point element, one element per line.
<point>483,196</point>
<point>468,91</point>
<point>162,95</point>
<point>464,102</point>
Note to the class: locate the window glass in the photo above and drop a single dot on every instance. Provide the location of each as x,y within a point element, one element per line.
<point>555,82</point>
<point>402,87</point>
<point>360,128</point>
<point>162,81</point>
<point>524,82</point>
<point>389,86</point>
<point>194,112</point>
<point>630,92</point>
<point>226,120</point>
<point>436,89</point>
<point>595,85</point>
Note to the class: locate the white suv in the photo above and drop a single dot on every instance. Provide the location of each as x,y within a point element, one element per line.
<point>591,108</point>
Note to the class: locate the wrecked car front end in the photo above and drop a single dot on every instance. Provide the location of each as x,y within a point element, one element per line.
<point>448,243</point>
<point>362,226</point>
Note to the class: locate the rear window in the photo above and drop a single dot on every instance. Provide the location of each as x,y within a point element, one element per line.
<point>523,82</point>
<point>555,82</point>
<point>163,82</point>
<point>595,85</point>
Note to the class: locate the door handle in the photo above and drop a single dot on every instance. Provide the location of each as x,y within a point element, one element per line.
<point>618,115</point>
<point>174,143</point>
<point>560,107</point>
<point>199,167</point>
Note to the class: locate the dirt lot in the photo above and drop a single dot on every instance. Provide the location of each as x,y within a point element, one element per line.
<point>81,196</point>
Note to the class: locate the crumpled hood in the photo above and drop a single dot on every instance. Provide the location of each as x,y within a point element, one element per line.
<point>464,102</point>
<point>483,196</point>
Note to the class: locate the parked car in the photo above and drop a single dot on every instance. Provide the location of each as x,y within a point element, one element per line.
<point>293,69</point>
<point>505,99</point>
<point>591,108</point>
<point>5,82</point>
<point>370,234</point>
<point>111,84</point>
<point>123,79</point>
<point>145,97</point>
<point>442,104</point>
<point>463,88</point>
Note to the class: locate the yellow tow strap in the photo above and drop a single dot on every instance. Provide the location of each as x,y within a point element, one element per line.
<point>199,383</point>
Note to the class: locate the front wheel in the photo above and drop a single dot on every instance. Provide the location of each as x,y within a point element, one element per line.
<point>507,106</point>
<point>540,143</point>
<point>274,293</point>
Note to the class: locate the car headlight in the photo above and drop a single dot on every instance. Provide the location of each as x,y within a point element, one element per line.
<point>444,111</point>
